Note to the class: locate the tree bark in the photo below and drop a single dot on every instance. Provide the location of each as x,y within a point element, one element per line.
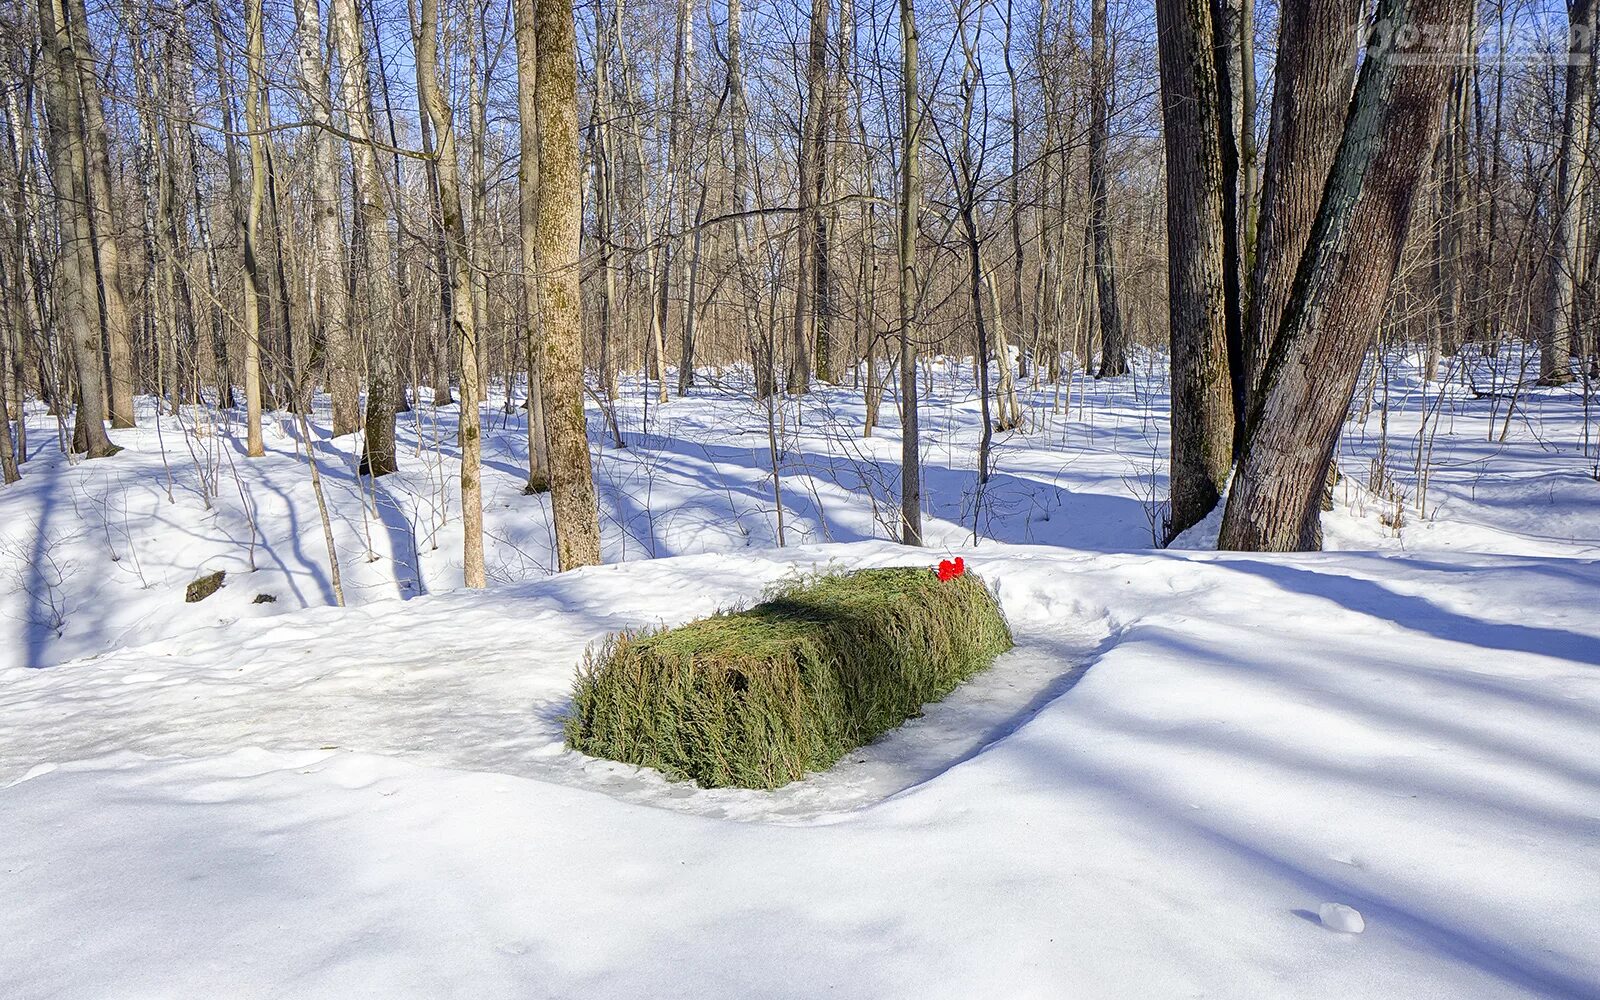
<point>1310,94</point>
<point>1113,346</point>
<point>682,66</point>
<point>253,101</point>
<point>378,453</point>
<point>1572,184</point>
<point>1342,283</point>
<point>1202,406</point>
<point>464,314</point>
<point>910,204</point>
<point>813,234</point>
<point>330,298</point>
<point>573,504</point>
<point>528,224</point>
<point>103,219</point>
<point>75,280</point>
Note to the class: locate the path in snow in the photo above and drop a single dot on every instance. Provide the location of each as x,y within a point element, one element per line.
<point>481,683</point>
<point>1411,736</point>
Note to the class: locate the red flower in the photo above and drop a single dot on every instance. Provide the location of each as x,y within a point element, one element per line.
<point>950,570</point>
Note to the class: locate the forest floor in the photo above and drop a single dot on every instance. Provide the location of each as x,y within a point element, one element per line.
<point>1155,794</point>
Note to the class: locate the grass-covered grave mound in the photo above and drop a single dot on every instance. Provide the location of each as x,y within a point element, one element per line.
<point>756,698</point>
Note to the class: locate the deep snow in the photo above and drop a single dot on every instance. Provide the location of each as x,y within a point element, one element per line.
<point>1187,758</point>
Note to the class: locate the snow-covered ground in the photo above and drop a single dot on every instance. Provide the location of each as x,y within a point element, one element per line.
<point>1186,759</point>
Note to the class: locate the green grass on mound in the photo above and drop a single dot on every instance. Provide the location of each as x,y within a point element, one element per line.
<point>757,698</point>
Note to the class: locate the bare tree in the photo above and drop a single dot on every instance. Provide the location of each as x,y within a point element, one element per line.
<point>103,220</point>
<point>330,298</point>
<point>1310,93</point>
<point>1202,407</point>
<point>1339,293</point>
<point>378,453</point>
<point>809,294</point>
<point>254,100</point>
<point>555,83</point>
<point>528,231</point>
<point>75,278</point>
<point>1572,184</point>
<point>1113,349</point>
<point>463,315</point>
<point>910,205</point>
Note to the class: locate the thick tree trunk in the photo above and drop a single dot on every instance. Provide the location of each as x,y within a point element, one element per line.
<point>77,317</point>
<point>1197,239</point>
<point>1342,283</point>
<point>103,218</point>
<point>1310,94</point>
<point>573,505</point>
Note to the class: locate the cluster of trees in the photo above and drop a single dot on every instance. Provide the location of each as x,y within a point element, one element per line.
<point>383,199</point>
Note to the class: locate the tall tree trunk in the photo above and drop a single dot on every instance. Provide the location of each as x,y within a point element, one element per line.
<point>964,174</point>
<point>605,204</point>
<point>1310,93</point>
<point>1342,283</point>
<point>1113,346</point>
<point>528,219</point>
<point>910,204</point>
<point>555,83</point>
<point>293,342</point>
<point>253,101</point>
<point>1572,183</point>
<point>813,234</point>
<point>677,136</point>
<point>103,219</point>
<point>238,199</point>
<point>463,317</point>
<point>1197,238</point>
<point>330,297</point>
<point>394,397</point>
<point>744,228</point>
<point>76,313</point>
<point>378,452</point>
<point>438,338</point>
